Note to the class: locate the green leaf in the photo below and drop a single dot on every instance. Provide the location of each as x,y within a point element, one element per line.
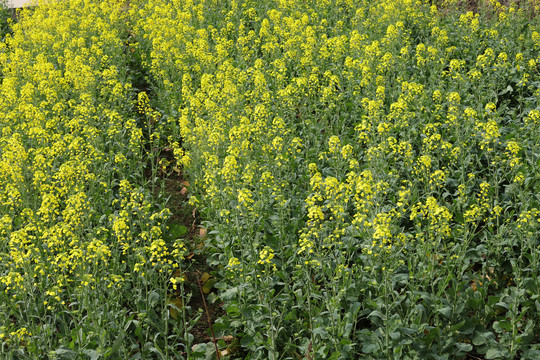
<point>482,337</point>
<point>494,353</point>
<point>93,354</point>
<point>118,341</point>
<point>468,327</point>
<point>246,340</point>
<point>446,312</point>
<point>229,293</point>
<point>221,285</point>
<point>376,313</point>
<point>291,316</point>
<point>208,285</point>
<point>232,310</point>
<point>66,353</point>
<point>440,357</point>
<point>457,326</point>
<point>407,331</point>
<point>153,298</point>
<point>321,332</point>
<point>370,348</point>
<point>464,347</point>
<point>177,230</point>
<point>507,90</point>
<point>198,350</point>
<point>532,354</point>
<point>236,324</point>
<point>503,325</point>
<point>138,332</point>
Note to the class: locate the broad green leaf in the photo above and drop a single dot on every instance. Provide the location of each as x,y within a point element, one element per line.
<point>494,353</point>
<point>507,90</point>
<point>446,312</point>
<point>322,332</point>
<point>177,230</point>
<point>93,354</point>
<point>464,347</point>
<point>208,285</point>
<point>370,348</point>
<point>482,337</point>
<point>502,325</point>
<point>66,352</point>
<point>153,298</point>
<point>376,313</point>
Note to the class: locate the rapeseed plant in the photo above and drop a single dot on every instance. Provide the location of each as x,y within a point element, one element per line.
<point>367,171</point>
<point>75,224</point>
<point>405,153</point>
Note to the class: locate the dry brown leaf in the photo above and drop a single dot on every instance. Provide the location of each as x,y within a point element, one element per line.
<point>229,351</point>
<point>475,284</point>
<point>202,232</point>
<point>224,352</point>
<point>226,338</point>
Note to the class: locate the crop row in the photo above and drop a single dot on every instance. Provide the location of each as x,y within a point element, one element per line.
<point>368,170</point>
<point>85,254</point>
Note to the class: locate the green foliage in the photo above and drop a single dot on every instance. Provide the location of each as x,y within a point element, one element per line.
<point>88,265</point>
<point>368,171</point>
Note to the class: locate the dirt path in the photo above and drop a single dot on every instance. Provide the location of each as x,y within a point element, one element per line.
<point>21,3</point>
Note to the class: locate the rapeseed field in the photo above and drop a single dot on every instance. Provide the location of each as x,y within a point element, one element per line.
<point>366,175</point>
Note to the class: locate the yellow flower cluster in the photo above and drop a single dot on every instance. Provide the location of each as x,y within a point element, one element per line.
<point>72,214</point>
<point>332,134</point>
<point>244,93</point>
